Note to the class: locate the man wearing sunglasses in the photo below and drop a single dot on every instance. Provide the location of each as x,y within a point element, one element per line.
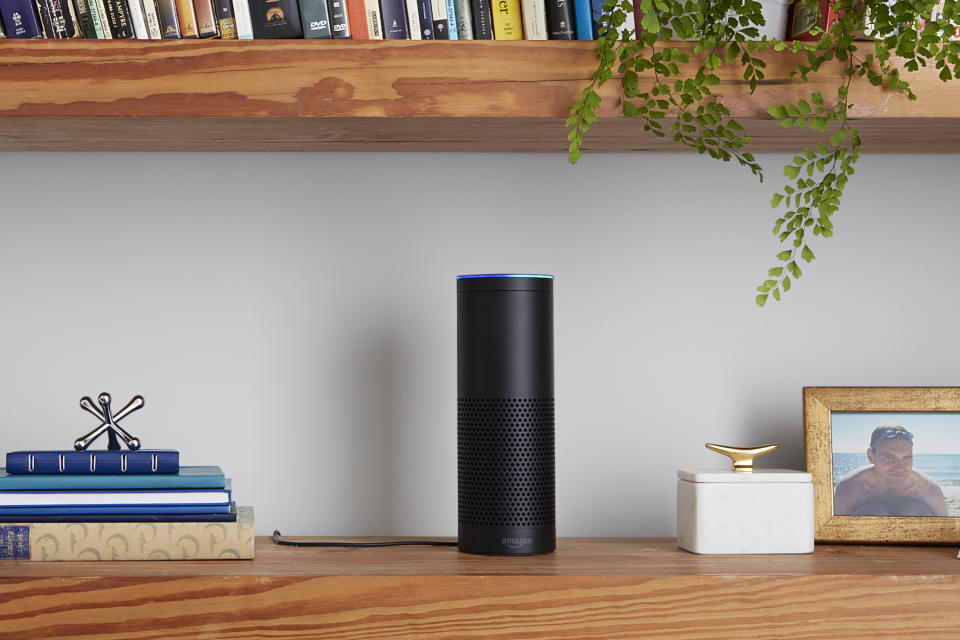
<point>890,486</point>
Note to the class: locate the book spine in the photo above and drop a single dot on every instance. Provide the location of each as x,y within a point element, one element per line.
<point>534,19</point>
<point>339,20</point>
<point>374,25</point>
<point>357,16</point>
<point>315,19</point>
<point>100,9</point>
<point>187,18</point>
<point>20,19</point>
<point>85,19</point>
<point>56,19</point>
<point>507,21</point>
<point>2,34</point>
<point>85,462</point>
<point>413,20</point>
<point>276,19</point>
<point>241,10</point>
<point>118,16</point>
<point>583,20</point>
<point>152,19</point>
<point>226,19</point>
<point>482,25</point>
<point>598,16</point>
<point>464,20</point>
<point>52,541</point>
<point>452,20</point>
<point>206,22</point>
<point>167,14</point>
<point>559,19</point>
<point>425,17</point>
<point>138,20</point>
<point>394,17</point>
<point>441,28</point>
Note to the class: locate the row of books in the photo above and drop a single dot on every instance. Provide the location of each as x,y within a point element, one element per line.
<point>355,19</point>
<point>118,505</point>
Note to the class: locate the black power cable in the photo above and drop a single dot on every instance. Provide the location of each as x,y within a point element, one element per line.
<point>278,539</point>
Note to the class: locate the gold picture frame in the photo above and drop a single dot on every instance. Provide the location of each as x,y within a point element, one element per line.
<point>819,403</point>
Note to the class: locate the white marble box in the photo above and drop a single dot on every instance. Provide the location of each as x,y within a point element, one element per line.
<point>766,511</point>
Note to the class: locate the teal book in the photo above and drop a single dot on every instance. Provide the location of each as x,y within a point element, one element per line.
<point>187,478</point>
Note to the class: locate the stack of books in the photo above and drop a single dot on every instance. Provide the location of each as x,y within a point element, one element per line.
<point>118,505</point>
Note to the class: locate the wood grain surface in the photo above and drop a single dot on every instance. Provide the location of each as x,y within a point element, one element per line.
<point>388,95</point>
<point>590,588</point>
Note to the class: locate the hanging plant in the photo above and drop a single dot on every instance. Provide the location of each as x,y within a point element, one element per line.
<point>673,96</point>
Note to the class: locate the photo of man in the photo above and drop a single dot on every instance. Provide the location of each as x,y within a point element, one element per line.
<point>889,485</point>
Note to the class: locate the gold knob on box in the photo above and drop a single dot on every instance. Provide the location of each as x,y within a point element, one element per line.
<point>742,457</point>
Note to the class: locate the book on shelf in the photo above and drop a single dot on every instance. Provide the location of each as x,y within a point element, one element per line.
<point>534,19</point>
<point>482,20</point>
<point>57,19</point>
<point>441,28</point>
<point>273,19</point>
<point>102,509</point>
<point>413,20</point>
<point>339,21</point>
<point>394,16</point>
<point>20,19</point>
<point>189,477</point>
<point>315,19</point>
<point>464,19</point>
<point>187,19</point>
<point>226,19</point>
<point>229,515</point>
<point>116,498</point>
<point>102,461</point>
<point>152,20</point>
<point>357,17</point>
<point>167,15</point>
<point>452,32</point>
<point>425,17</point>
<point>87,20</point>
<point>241,10</point>
<point>559,20</point>
<point>206,20</point>
<point>374,25</point>
<point>583,19</point>
<point>99,8</point>
<point>507,20</point>
<point>137,18</point>
<point>71,541</point>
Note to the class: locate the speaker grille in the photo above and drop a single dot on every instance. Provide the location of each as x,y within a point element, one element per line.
<point>505,462</point>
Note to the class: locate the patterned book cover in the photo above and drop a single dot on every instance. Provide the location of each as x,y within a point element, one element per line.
<point>55,541</point>
<point>464,20</point>
<point>20,19</point>
<point>57,19</point>
<point>507,20</point>
<point>226,19</point>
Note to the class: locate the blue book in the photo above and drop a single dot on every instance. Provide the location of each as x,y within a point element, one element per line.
<point>583,19</point>
<point>20,19</point>
<point>88,462</point>
<point>230,516</point>
<point>100,510</point>
<point>187,478</point>
<point>118,498</point>
<point>452,19</point>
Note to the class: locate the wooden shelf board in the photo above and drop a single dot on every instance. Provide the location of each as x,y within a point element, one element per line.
<point>589,588</point>
<point>390,95</point>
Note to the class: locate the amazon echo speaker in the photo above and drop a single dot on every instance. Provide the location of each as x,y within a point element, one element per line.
<point>505,419</point>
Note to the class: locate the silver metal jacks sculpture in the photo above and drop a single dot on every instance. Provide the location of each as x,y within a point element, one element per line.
<point>108,423</point>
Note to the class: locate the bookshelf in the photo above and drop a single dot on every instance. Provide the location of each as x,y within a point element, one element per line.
<point>285,95</point>
<point>591,588</point>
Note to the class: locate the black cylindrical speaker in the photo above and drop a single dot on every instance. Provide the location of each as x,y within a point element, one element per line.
<point>505,416</point>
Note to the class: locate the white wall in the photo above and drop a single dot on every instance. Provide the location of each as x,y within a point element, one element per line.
<point>291,317</point>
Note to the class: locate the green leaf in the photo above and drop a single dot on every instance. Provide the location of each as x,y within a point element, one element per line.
<point>775,200</point>
<point>776,294</point>
<point>806,254</point>
<point>786,283</point>
<point>777,112</point>
<point>761,299</point>
<point>783,256</point>
<point>791,171</point>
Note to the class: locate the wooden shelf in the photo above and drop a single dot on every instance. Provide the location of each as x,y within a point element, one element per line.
<point>596,588</point>
<point>374,96</point>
